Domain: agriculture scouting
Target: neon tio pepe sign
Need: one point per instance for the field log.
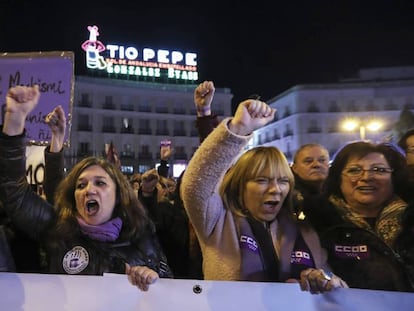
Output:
(146, 62)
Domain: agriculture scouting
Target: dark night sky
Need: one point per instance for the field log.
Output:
(263, 47)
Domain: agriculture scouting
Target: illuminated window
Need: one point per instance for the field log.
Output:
(178, 168)
(126, 126)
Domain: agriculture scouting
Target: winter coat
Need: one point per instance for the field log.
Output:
(78, 254)
(360, 254)
(229, 247)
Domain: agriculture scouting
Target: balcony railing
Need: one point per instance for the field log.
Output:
(145, 131)
(85, 127)
(108, 129)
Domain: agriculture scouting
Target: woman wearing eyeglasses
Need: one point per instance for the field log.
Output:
(364, 220)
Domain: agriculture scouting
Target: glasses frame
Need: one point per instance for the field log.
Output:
(373, 171)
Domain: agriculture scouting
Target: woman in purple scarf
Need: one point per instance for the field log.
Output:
(96, 224)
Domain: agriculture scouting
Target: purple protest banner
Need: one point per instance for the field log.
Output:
(54, 73)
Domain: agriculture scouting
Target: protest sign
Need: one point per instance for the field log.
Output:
(54, 73)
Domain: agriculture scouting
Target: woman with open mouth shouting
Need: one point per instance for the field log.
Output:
(96, 224)
(242, 213)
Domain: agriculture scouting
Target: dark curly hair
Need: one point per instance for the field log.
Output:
(360, 149)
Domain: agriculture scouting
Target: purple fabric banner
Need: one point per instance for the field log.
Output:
(54, 73)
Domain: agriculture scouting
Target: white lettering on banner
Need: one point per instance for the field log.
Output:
(249, 241)
(301, 254)
(47, 292)
(351, 249)
(35, 164)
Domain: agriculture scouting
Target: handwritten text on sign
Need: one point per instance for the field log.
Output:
(54, 73)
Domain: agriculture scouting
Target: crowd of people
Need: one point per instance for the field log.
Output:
(233, 214)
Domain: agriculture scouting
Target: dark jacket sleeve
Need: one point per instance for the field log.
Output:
(155, 256)
(6, 259)
(205, 125)
(28, 211)
(163, 169)
(54, 173)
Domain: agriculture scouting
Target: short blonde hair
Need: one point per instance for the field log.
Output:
(250, 164)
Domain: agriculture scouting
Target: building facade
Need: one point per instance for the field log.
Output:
(314, 113)
(135, 117)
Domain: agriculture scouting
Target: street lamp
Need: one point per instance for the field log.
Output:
(351, 124)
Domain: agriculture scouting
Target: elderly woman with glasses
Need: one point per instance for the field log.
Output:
(364, 219)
